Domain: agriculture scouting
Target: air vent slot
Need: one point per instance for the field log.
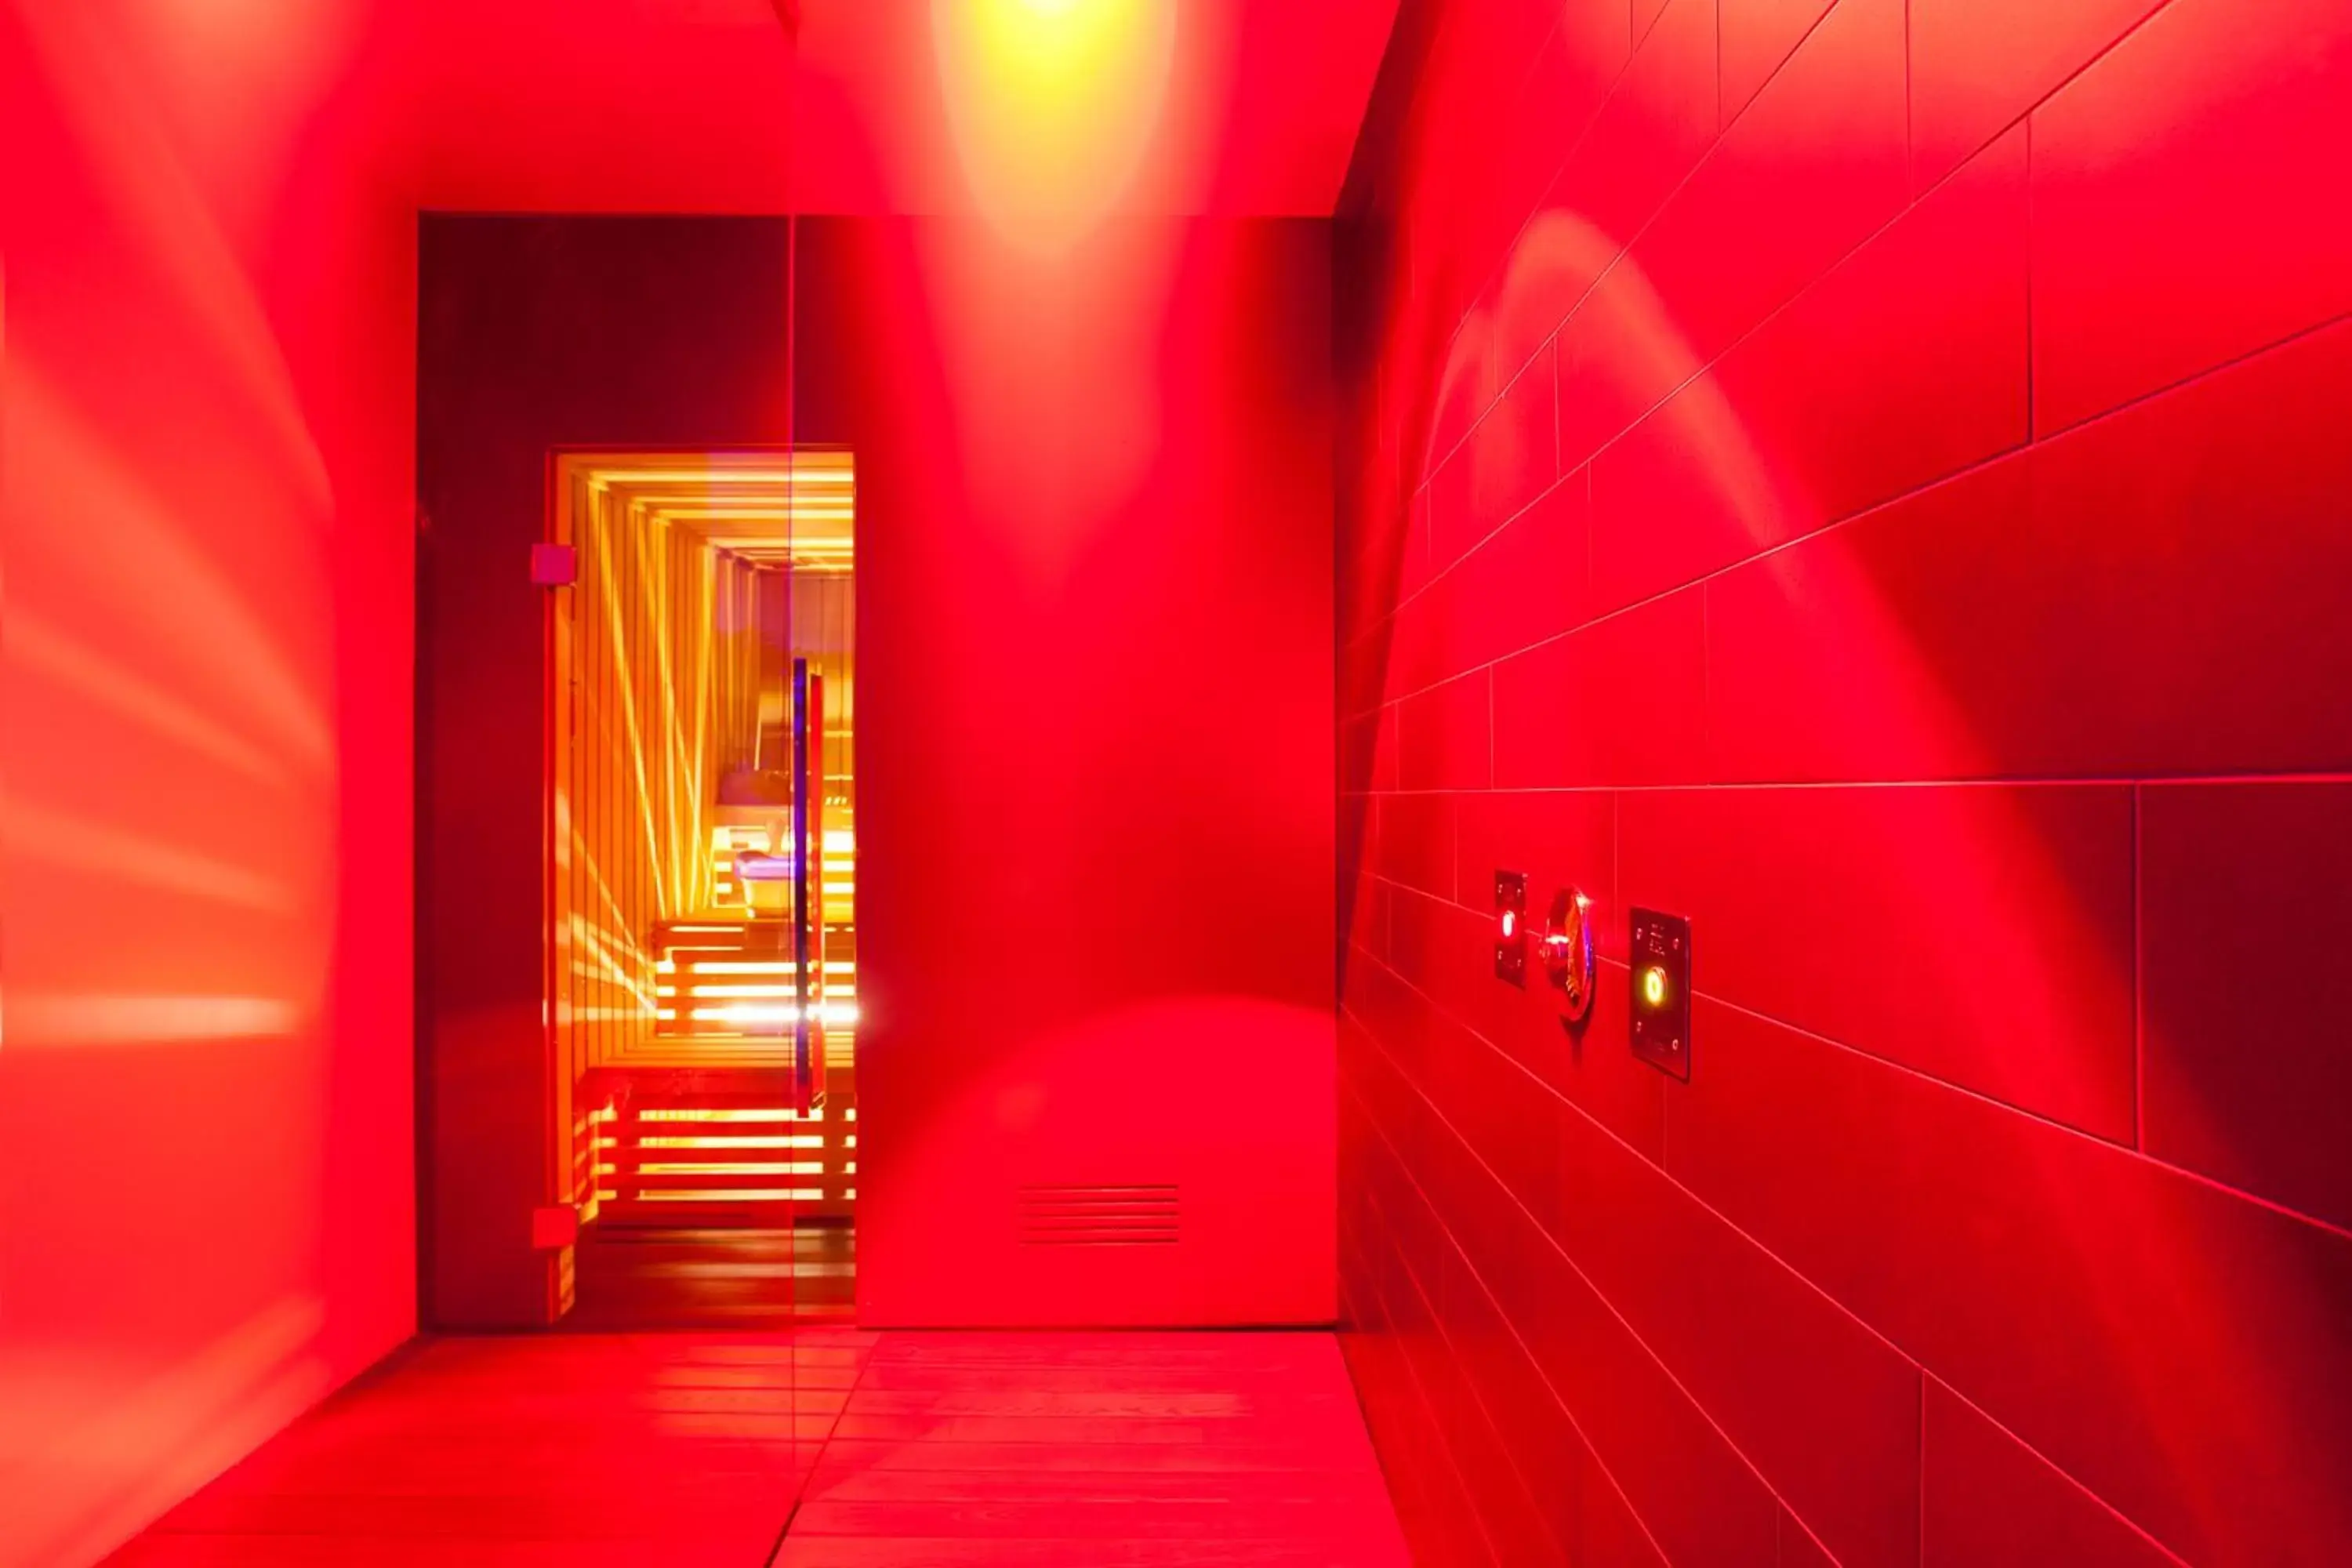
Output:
(1098, 1216)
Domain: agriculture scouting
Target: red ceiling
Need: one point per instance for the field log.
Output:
(693, 105)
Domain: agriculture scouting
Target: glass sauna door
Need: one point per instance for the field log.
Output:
(700, 857)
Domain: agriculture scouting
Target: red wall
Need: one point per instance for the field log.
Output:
(1095, 755)
(206, 1213)
(1872, 478)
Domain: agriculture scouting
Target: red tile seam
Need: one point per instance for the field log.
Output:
(1578, 1270)
(1774, 75)
(1910, 120)
(1490, 750)
(1924, 1376)
(1430, 1423)
(2125, 1149)
(2218, 367)
(800, 1491)
(1468, 1383)
(1916, 198)
(1398, 1485)
(1702, 581)
(2139, 975)
(2105, 1507)
(1722, 121)
(1707, 737)
(2032, 271)
(2101, 53)
(1725, 125)
(1551, 345)
(1453, 818)
(1591, 570)
(1611, 1136)
(1831, 265)
(1432, 459)
(1535, 56)
(1985, 781)
(1575, 144)
(1560, 481)
(1956, 477)
(1510, 1326)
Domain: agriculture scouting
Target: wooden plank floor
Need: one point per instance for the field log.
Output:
(729, 1278)
(699, 1450)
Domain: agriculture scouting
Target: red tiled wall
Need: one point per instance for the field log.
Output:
(1874, 478)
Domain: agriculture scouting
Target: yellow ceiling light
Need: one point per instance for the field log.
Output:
(1053, 104)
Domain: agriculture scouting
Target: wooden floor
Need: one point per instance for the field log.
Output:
(721, 1277)
(823, 1447)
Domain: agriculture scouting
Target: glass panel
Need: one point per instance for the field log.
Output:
(701, 882)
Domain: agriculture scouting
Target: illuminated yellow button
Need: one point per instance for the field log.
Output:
(1654, 987)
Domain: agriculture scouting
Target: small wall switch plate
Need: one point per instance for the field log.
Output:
(554, 565)
(1511, 927)
(1660, 948)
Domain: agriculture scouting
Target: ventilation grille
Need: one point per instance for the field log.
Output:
(1098, 1216)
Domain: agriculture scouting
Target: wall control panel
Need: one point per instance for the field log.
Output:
(1511, 927)
(1660, 954)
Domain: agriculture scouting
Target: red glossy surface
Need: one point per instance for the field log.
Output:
(2064, 612)
(1921, 552)
(1415, 847)
(1806, 173)
(1976, 65)
(1442, 736)
(1650, 131)
(1949, 1223)
(1525, 584)
(1514, 454)
(2177, 222)
(1096, 676)
(1569, 81)
(2000, 1221)
(1902, 365)
(1650, 658)
(1688, 1488)
(206, 1193)
(1989, 1499)
(212, 239)
(1815, 1400)
(1042, 552)
(1759, 36)
(2247, 1080)
(1876, 916)
(521, 107)
(825, 1448)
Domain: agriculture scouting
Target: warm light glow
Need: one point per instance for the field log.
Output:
(1654, 987)
(44, 1019)
(657, 631)
(1053, 104)
(690, 1113)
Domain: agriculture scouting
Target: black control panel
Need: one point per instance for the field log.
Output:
(1661, 957)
